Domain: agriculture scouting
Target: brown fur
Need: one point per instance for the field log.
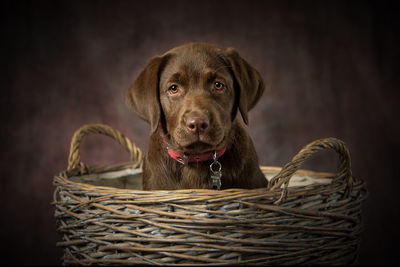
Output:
(179, 116)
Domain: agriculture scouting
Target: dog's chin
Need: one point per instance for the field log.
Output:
(198, 148)
(201, 146)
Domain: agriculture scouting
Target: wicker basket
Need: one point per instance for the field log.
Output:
(316, 220)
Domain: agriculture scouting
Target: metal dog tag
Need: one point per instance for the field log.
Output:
(216, 174)
(216, 180)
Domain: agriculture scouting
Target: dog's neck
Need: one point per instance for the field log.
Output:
(235, 137)
(173, 175)
(189, 158)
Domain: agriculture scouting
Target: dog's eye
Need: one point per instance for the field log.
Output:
(219, 86)
(173, 89)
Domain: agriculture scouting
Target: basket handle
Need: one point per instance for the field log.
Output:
(74, 153)
(283, 177)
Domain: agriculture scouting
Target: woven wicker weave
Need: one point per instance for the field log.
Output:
(316, 223)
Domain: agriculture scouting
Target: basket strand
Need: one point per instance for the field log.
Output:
(284, 176)
(108, 225)
(74, 159)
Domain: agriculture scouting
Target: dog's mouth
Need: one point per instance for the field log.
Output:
(200, 147)
(186, 143)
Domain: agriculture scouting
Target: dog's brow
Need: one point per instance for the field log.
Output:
(176, 77)
(223, 66)
(210, 75)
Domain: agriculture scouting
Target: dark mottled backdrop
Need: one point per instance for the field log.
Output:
(331, 69)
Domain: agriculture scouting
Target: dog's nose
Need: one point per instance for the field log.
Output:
(197, 123)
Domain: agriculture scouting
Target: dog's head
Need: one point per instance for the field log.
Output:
(193, 92)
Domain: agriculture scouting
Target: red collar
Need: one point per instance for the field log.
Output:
(185, 159)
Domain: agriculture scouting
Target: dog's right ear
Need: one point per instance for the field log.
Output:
(143, 95)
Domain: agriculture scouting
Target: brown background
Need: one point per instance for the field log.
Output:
(331, 69)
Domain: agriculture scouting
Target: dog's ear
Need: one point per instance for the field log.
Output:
(143, 95)
(250, 83)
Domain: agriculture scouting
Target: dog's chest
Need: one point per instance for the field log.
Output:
(195, 176)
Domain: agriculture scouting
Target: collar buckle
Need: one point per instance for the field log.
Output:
(184, 160)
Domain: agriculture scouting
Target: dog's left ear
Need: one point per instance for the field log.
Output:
(143, 96)
(251, 85)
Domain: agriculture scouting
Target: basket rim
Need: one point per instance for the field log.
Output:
(100, 169)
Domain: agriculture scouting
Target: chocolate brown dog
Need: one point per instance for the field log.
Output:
(190, 96)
